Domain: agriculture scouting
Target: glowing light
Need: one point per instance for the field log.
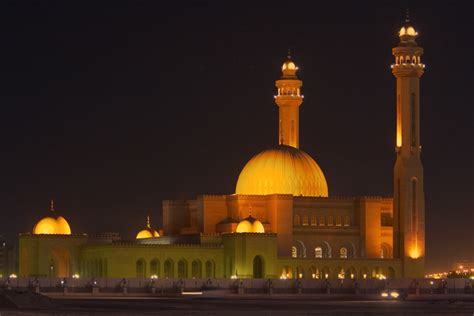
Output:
(431, 282)
(384, 294)
(153, 277)
(233, 277)
(75, 276)
(191, 293)
(352, 275)
(13, 276)
(313, 275)
(394, 294)
(300, 275)
(283, 277)
(364, 276)
(326, 275)
(414, 253)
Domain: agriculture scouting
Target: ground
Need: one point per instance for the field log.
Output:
(275, 305)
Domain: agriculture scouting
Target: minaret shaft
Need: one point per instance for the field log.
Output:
(409, 202)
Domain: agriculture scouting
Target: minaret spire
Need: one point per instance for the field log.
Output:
(51, 206)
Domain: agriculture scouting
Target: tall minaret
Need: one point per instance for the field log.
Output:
(409, 201)
(289, 99)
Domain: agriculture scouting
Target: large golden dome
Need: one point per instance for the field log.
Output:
(282, 170)
(52, 226)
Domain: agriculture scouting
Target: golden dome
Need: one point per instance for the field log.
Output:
(148, 232)
(250, 225)
(52, 226)
(244, 227)
(289, 68)
(282, 170)
(407, 30)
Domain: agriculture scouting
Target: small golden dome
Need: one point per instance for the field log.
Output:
(288, 65)
(257, 227)
(148, 232)
(407, 31)
(244, 227)
(250, 225)
(52, 226)
(282, 170)
(289, 68)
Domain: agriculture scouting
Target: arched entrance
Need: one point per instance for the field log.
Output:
(257, 267)
(60, 265)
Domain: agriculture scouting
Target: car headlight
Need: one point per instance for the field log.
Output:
(384, 294)
(394, 294)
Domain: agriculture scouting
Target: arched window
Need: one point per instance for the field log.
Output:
(322, 221)
(347, 221)
(196, 269)
(385, 251)
(314, 221)
(140, 268)
(297, 220)
(258, 268)
(330, 220)
(294, 252)
(168, 269)
(305, 220)
(338, 221)
(182, 269)
(209, 269)
(343, 253)
(318, 252)
(155, 267)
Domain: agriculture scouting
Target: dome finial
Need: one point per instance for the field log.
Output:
(407, 16)
(148, 221)
(51, 206)
(289, 53)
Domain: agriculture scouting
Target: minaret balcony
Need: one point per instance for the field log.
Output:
(408, 69)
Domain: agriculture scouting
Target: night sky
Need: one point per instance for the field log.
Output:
(112, 107)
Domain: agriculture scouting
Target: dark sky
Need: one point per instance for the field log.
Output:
(111, 107)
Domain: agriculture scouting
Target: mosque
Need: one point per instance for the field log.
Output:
(281, 221)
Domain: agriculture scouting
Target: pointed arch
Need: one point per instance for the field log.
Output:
(140, 268)
(168, 268)
(196, 269)
(182, 268)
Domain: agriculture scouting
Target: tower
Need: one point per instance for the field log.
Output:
(289, 99)
(409, 202)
